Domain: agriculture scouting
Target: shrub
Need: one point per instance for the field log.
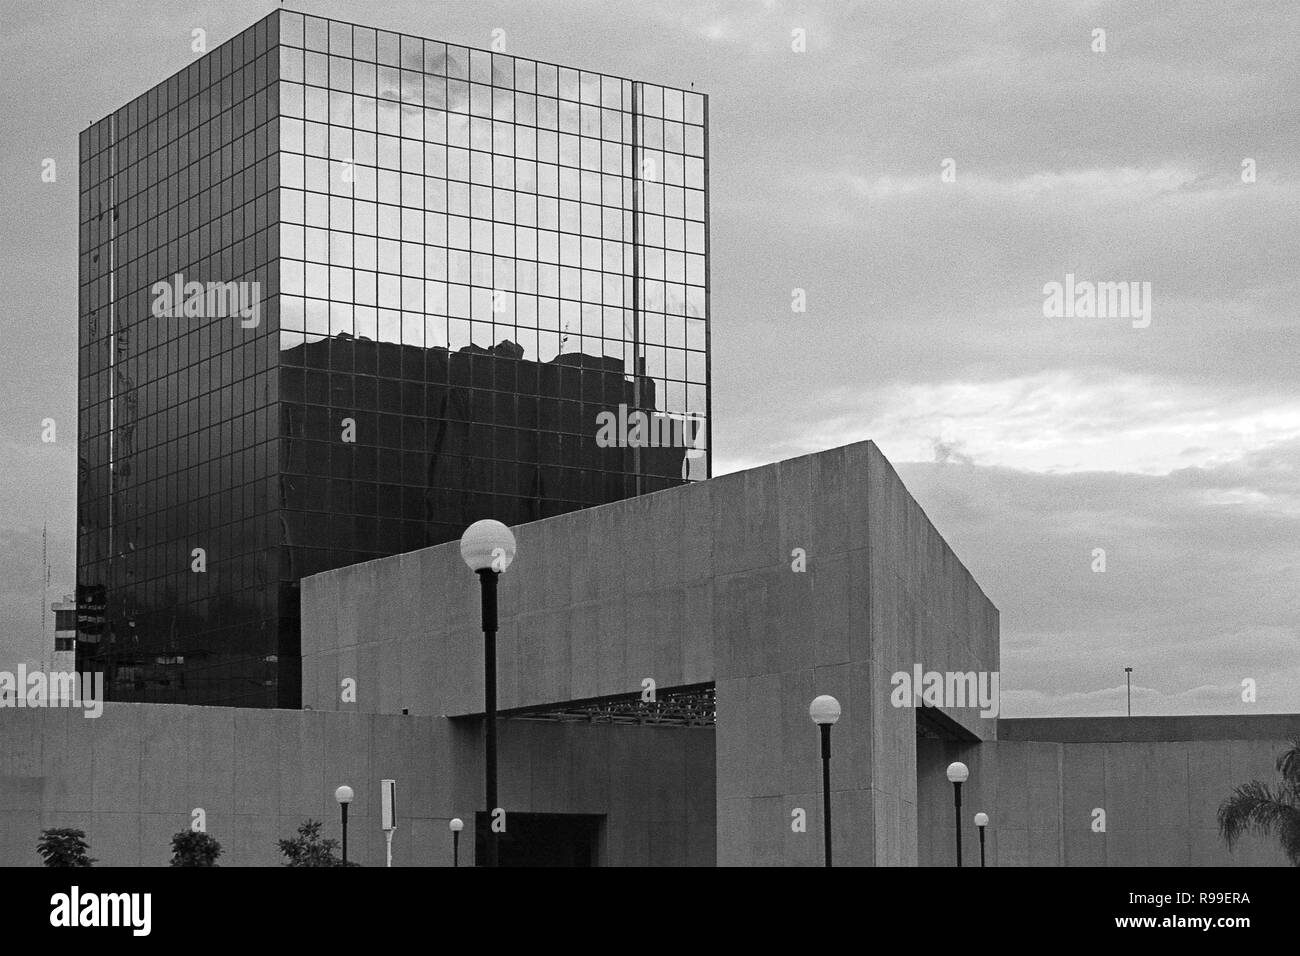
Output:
(308, 849)
(64, 846)
(194, 848)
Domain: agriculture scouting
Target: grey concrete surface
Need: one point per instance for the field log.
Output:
(1160, 798)
(697, 584)
(688, 586)
(133, 777)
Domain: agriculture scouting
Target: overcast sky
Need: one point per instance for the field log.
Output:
(1030, 441)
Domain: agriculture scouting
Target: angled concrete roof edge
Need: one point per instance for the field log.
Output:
(1155, 728)
(628, 502)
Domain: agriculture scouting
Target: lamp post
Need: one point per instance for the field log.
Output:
(488, 547)
(957, 774)
(456, 825)
(824, 711)
(1128, 680)
(981, 821)
(344, 796)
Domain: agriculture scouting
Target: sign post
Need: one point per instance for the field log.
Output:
(388, 812)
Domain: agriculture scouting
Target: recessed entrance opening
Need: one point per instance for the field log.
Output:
(544, 839)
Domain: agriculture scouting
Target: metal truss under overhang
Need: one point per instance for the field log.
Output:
(694, 705)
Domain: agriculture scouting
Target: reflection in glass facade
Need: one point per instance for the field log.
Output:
(443, 244)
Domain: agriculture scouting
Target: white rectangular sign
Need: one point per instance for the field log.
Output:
(388, 798)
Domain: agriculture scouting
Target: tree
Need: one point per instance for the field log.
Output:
(1260, 809)
(194, 848)
(308, 849)
(64, 846)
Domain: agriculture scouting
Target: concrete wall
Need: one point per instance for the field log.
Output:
(686, 586)
(595, 601)
(693, 585)
(655, 786)
(131, 778)
(927, 610)
(1159, 780)
(883, 592)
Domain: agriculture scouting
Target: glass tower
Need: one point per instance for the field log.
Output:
(344, 292)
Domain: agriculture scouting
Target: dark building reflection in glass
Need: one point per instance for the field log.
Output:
(474, 274)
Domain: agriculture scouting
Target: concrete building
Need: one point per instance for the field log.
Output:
(741, 598)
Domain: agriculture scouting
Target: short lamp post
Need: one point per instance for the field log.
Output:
(344, 796)
(456, 825)
(957, 775)
(981, 821)
(488, 547)
(824, 711)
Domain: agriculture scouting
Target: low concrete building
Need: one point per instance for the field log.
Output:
(736, 601)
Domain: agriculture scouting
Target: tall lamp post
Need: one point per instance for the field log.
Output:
(488, 547)
(981, 821)
(824, 711)
(455, 825)
(344, 796)
(957, 774)
(1128, 681)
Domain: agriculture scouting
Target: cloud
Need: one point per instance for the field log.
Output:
(1061, 420)
(1198, 591)
(1067, 421)
(1030, 441)
(1147, 701)
(1114, 186)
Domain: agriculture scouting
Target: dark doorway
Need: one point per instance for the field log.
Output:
(544, 839)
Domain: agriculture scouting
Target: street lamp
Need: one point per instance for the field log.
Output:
(1128, 681)
(344, 796)
(824, 711)
(456, 825)
(488, 547)
(981, 821)
(957, 774)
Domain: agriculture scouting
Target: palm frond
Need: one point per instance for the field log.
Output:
(1289, 836)
(1258, 809)
(1288, 762)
